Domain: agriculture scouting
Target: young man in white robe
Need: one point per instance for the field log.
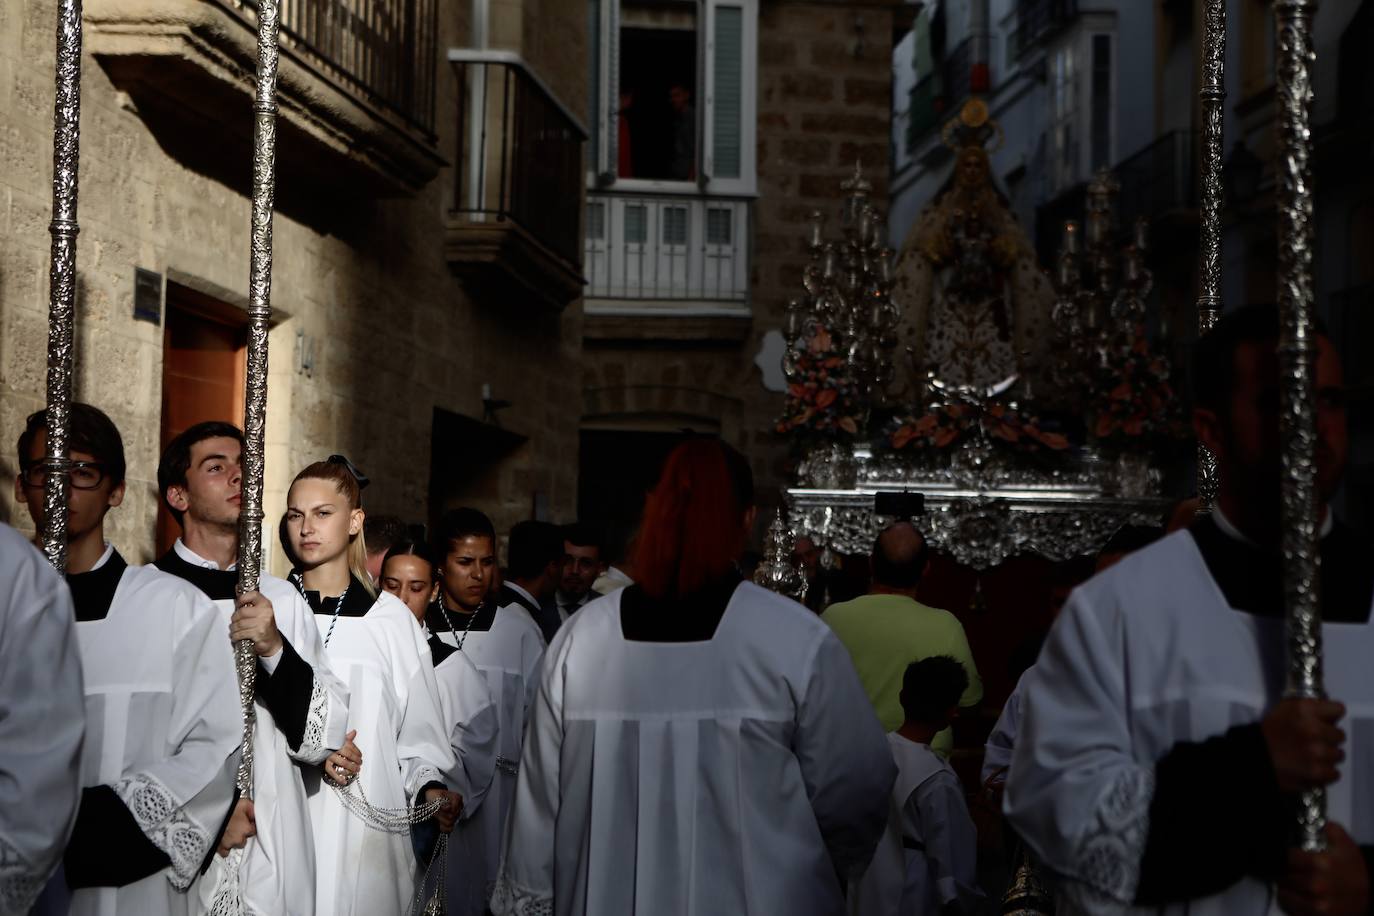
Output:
(301, 707)
(506, 647)
(534, 566)
(42, 721)
(162, 705)
(927, 862)
(1157, 762)
(407, 572)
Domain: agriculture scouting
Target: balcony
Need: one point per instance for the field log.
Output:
(1039, 20)
(940, 93)
(1159, 183)
(516, 223)
(655, 250)
(356, 88)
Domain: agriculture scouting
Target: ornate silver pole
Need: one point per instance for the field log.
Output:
(1297, 357)
(1213, 94)
(255, 395)
(62, 278)
(228, 892)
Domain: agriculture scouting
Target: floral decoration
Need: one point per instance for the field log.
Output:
(823, 397)
(1134, 404)
(944, 426)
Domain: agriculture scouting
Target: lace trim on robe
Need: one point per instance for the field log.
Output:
(1112, 847)
(19, 886)
(312, 749)
(163, 821)
(510, 899)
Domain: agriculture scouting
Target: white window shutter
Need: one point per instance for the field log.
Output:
(730, 81)
(606, 91)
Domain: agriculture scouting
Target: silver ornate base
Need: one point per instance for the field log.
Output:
(983, 507)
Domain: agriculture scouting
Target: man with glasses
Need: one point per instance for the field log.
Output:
(157, 767)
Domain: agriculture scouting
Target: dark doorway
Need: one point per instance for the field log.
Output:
(617, 469)
(204, 347)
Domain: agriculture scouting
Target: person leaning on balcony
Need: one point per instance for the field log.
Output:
(888, 629)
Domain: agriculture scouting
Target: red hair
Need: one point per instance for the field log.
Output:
(693, 526)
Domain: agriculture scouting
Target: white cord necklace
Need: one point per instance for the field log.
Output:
(448, 619)
(298, 580)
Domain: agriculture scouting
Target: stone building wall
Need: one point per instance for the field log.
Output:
(820, 108)
(395, 333)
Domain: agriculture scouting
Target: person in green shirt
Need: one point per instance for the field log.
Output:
(888, 629)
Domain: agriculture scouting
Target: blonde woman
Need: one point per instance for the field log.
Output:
(400, 746)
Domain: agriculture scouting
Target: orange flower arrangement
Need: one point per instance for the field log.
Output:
(822, 397)
(1136, 404)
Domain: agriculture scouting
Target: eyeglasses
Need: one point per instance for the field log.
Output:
(86, 475)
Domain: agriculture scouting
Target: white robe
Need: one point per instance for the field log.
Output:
(163, 729)
(277, 875)
(928, 856)
(739, 774)
(1002, 739)
(394, 706)
(508, 657)
(42, 721)
(467, 708)
(1144, 656)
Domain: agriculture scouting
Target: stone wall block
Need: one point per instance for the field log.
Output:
(875, 93)
(804, 152)
(806, 86)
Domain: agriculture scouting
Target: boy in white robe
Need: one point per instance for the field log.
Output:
(1157, 763)
(505, 645)
(161, 695)
(42, 721)
(927, 861)
(302, 708)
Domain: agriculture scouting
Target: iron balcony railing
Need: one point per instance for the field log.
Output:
(940, 92)
(1160, 179)
(1157, 181)
(667, 247)
(381, 50)
(520, 149)
(1037, 20)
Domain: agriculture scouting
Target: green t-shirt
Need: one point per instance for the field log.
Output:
(886, 633)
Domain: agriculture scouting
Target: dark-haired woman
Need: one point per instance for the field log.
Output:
(467, 708)
(697, 745)
(373, 645)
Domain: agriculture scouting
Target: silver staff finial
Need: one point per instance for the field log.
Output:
(776, 572)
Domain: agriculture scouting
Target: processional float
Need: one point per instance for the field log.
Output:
(987, 507)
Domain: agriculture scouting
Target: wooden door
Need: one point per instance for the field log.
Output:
(204, 354)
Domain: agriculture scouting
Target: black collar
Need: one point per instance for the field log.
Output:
(1252, 578)
(454, 621)
(357, 601)
(94, 591)
(439, 650)
(217, 584)
(692, 618)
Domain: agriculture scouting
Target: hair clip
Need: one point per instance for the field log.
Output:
(358, 475)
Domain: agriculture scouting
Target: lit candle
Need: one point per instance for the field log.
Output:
(1071, 236)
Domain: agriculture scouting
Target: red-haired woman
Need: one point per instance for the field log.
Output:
(375, 646)
(697, 745)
